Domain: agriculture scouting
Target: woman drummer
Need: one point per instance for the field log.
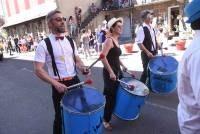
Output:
(111, 70)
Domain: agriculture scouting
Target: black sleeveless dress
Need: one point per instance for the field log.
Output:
(110, 86)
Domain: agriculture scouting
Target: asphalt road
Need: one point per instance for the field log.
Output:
(26, 106)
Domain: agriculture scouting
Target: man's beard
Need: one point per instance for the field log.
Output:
(60, 30)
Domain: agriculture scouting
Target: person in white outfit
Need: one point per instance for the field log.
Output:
(189, 78)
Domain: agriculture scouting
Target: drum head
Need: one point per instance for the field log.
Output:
(83, 100)
(140, 89)
(164, 65)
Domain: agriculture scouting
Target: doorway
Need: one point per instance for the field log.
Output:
(174, 14)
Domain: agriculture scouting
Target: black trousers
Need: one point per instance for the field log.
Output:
(145, 62)
(56, 96)
(110, 91)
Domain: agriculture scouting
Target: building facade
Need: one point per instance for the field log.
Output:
(24, 17)
(28, 16)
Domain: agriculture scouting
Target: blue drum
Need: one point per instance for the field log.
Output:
(163, 74)
(82, 111)
(129, 102)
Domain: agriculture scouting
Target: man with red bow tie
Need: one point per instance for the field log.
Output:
(60, 54)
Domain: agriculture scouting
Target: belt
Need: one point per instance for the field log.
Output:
(65, 78)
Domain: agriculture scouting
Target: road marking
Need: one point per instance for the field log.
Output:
(28, 70)
(162, 107)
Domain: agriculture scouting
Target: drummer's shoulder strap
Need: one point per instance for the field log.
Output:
(50, 50)
(73, 48)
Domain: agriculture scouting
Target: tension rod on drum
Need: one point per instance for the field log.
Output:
(129, 86)
(79, 84)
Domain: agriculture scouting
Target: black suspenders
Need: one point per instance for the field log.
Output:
(50, 50)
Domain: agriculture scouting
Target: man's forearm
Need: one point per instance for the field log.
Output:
(42, 74)
(144, 49)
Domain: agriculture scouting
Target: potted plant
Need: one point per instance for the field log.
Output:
(180, 44)
(128, 47)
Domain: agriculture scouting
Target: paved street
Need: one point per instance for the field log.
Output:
(26, 106)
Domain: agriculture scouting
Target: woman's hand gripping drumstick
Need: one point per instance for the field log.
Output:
(129, 86)
(130, 73)
(87, 70)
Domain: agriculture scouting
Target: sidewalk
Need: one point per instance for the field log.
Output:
(131, 60)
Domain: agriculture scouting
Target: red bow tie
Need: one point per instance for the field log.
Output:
(60, 38)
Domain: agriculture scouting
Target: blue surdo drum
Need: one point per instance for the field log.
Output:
(163, 74)
(82, 111)
(129, 102)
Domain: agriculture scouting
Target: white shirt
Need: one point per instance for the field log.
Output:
(189, 88)
(63, 54)
(140, 35)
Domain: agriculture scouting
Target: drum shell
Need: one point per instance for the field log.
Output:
(128, 105)
(163, 82)
(82, 123)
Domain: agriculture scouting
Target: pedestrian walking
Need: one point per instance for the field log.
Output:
(59, 53)
(112, 70)
(189, 78)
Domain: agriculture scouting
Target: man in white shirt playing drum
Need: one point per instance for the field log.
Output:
(189, 78)
(64, 73)
(146, 40)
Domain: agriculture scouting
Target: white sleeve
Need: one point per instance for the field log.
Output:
(40, 53)
(194, 75)
(140, 35)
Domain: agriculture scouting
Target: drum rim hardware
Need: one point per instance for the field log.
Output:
(163, 73)
(146, 90)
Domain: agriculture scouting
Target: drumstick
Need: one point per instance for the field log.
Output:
(81, 83)
(161, 49)
(130, 73)
(101, 56)
(131, 87)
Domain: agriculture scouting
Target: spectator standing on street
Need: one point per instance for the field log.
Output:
(10, 48)
(66, 60)
(72, 26)
(189, 78)
(93, 8)
(112, 70)
(17, 48)
(146, 40)
(85, 38)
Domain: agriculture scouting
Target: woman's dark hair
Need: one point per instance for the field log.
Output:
(114, 25)
(196, 24)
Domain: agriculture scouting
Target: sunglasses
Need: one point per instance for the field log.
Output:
(59, 19)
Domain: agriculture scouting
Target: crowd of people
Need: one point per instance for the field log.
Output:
(16, 44)
(92, 42)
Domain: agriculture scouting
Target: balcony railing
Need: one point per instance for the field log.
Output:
(116, 4)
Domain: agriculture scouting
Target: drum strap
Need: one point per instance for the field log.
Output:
(50, 50)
